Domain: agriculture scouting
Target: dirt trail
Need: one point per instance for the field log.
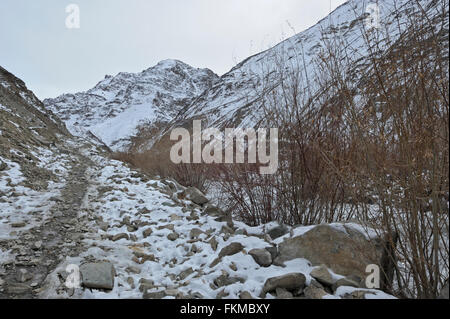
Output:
(39, 250)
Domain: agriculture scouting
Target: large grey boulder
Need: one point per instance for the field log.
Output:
(344, 250)
(98, 275)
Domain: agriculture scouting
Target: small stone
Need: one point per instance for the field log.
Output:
(175, 217)
(290, 281)
(130, 282)
(245, 295)
(18, 289)
(173, 236)
(213, 242)
(154, 294)
(22, 275)
(186, 273)
(18, 225)
(172, 292)
(345, 282)
(231, 249)
(227, 230)
(120, 236)
(133, 270)
(222, 294)
(37, 245)
(195, 233)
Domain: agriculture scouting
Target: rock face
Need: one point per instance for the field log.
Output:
(345, 251)
(289, 282)
(98, 275)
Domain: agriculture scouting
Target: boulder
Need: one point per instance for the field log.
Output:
(245, 295)
(322, 275)
(283, 293)
(261, 256)
(98, 275)
(278, 231)
(231, 249)
(292, 281)
(313, 292)
(196, 196)
(344, 250)
(273, 251)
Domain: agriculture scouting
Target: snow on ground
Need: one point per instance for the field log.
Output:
(120, 202)
(23, 204)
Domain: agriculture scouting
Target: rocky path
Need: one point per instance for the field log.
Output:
(40, 249)
(134, 237)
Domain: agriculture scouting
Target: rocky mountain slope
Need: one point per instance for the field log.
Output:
(172, 94)
(241, 96)
(114, 109)
(76, 224)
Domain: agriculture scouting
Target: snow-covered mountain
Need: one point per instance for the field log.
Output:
(238, 99)
(116, 106)
(173, 93)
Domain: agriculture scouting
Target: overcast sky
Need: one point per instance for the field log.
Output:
(133, 35)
